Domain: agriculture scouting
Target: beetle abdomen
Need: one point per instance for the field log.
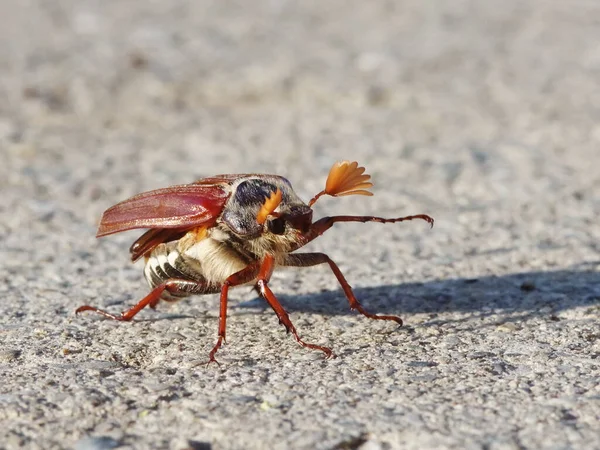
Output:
(165, 263)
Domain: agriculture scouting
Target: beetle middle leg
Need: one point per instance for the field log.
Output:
(262, 284)
(173, 286)
(313, 259)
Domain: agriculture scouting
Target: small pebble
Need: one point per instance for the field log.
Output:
(96, 443)
(9, 355)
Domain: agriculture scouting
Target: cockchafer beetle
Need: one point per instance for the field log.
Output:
(230, 230)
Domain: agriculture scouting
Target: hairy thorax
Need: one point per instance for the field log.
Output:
(210, 253)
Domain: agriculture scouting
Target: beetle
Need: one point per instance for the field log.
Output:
(230, 230)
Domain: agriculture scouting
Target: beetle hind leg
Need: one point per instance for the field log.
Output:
(172, 286)
(169, 298)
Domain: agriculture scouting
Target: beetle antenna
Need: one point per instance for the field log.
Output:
(316, 197)
(269, 206)
(345, 178)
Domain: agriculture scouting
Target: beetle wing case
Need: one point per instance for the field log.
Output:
(174, 207)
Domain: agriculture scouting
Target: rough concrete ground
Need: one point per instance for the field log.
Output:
(483, 114)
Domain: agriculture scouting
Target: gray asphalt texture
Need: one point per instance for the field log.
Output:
(484, 114)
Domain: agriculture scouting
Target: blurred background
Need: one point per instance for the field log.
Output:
(483, 114)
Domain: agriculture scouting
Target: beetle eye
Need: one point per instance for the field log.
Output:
(277, 226)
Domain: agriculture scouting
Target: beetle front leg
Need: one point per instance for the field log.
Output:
(319, 227)
(324, 224)
(264, 276)
(174, 286)
(313, 259)
(243, 276)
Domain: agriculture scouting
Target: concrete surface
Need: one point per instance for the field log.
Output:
(484, 114)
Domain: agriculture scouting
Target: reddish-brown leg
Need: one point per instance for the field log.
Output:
(174, 286)
(153, 304)
(264, 276)
(313, 259)
(322, 225)
(243, 276)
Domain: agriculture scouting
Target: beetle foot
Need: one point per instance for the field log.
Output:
(106, 314)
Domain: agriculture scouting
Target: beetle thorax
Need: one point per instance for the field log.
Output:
(278, 233)
(274, 245)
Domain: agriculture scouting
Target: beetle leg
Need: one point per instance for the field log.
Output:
(264, 276)
(313, 259)
(322, 225)
(243, 276)
(173, 285)
(153, 304)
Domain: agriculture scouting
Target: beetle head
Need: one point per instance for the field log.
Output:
(266, 204)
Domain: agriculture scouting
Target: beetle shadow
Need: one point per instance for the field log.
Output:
(518, 296)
